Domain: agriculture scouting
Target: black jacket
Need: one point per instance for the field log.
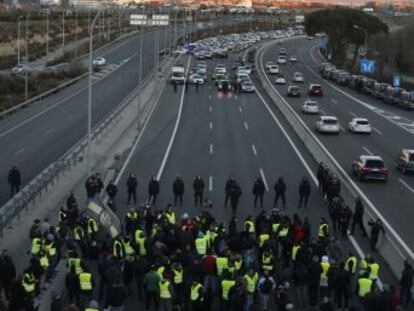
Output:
(198, 186)
(407, 276)
(111, 190)
(178, 186)
(153, 187)
(117, 295)
(132, 183)
(259, 187)
(14, 177)
(304, 188)
(280, 187)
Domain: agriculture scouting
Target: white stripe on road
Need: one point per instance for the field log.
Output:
(211, 125)
(20, 151)
(209, 96)
(322, 112)
(210, 109)
(352, 114)
(264, 179)
(341, 128)
(49, 131)
(406, 185)
(334, 101)
(210, 183)
(377, 131)
(240, 109)
(254, 150)
(211, 148)
(246, 126)
(367, 150)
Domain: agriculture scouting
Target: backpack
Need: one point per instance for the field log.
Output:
(266, 286)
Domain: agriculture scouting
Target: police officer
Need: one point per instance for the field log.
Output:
(111, 190)
(153, 189)
(280, 191)
(304, 192)
(358, 218)
(178, 189)
(351, 263)
(132, 184)
(14, 179)
(258, 191)
(235, 194)
(166, 294)
(229, 184)
(198, 187)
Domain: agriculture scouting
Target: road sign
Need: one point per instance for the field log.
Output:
(396, 81)
(367, 66)
(323, 42)
(138, 19)
(160, 20)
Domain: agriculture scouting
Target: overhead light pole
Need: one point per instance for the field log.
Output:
(366, 37)
(18, 40)
(26, 71)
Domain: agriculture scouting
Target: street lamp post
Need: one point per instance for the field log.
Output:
(88, 149)
(47, 35)
(63, 29)
(18, 40)
(366, 37)
(26, 72)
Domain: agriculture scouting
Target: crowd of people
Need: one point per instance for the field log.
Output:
(268, 261)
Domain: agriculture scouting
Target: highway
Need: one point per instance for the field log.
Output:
(391, 132)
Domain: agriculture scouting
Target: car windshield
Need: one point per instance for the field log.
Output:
(316, 87)
(374, 163)
(411, 157)
(362, 122)
(330, 121)
(311, 104)
(294, 88)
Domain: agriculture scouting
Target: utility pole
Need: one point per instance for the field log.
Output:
(63, 29)
(18, 40)
(47, 35)
(26, 72)
(140, 71)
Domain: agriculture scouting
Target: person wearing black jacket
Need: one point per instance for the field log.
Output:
(117, 294)
(14, 179)
(229, 184)
(314, 274)
(111, 190)
(132, 184)
(178, 189)
(7, 273)
(258, 191)
(235, 194)
(358, 218)
(153, 189)
(341, 285)
(406, 282)
(376, 229)
(198, 187)
(304, 192)
(280, 190)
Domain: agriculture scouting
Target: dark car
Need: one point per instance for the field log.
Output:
(224, 86)
(315, 90)
(370, 167)
(405, 161)
(293, 91)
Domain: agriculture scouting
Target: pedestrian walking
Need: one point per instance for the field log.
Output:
(117, 295)
(14, 180)
(304, 192)
(153, 190)
(229, 184)
(178, 190)
(280, 192)
(406, 283)
(132, 184)
(7, 274)
(266, 286)
(235, 194)
(198, 187)
(358, 218)
(91, 186)
(376, 229)
(258, 191)
(111, 190)
(175, 86)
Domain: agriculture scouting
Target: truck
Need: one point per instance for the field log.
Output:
(177, 75)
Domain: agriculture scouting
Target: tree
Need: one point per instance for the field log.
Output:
(338, 25)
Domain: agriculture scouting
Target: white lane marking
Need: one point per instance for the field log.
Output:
(19, 151)
(311, 54)
(333, 100)
(341, 128)
(211, 149)
(246, 126)
(211, 125)
(392, 231)
(240, 109)
(210, 183)
(322, 112)
(49, 131)
(377, 130)
(177, 123)
(134, 147)
(254, 149)
(367, 150)
(210, 109)
(264, 179)
(352, 114)
(209, 96)
(406, 185)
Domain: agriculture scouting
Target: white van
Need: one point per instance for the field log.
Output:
(178, 75)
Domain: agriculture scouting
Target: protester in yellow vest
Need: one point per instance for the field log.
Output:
(364, 286)
(249, 226)
(201, 244)
(226, 284)
(36, 244)
(166, 294)
(250, 279)
(323, 230)
(373, 268)
(196, 295)
(351, 263)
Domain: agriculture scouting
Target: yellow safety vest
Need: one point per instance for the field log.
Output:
(238, 264)
(51, 248)
(160, 271)
(36, 242)
(221, 263)
(129, 251)
(325, 267)
(178, 276)
(44, 262)
(76, 262)
(92, 226)
(365, 285)
(284, 232)
(133, 216)
(252, 229)
(263, 238)
(201, 245)
(85, 281)
(295, 250)
(62, 216)
(78, 233)
(28, 283)
(170, 217)
(118, 246)
(275, 227)
(91, 309)
(354, 264)
(164, 289)
(364, 266)
(226, 285)
(138, 234)
(194, 292)
(321, 232)
(211, 236)
(141, 245)
(374, 268)
(266, 260)
(251, 283)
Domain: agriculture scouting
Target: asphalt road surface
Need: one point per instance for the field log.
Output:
(392, 130)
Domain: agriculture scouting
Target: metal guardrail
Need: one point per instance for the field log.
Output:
(71, 158)
(391, 246)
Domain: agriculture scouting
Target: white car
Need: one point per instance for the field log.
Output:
(281, 59)
(293, 59)
(298, 77)
(242, 76)
(244, 69)
(269, 63)
(310, 107)
(280, 80)
(201, 69)
(99, 61)
(359, 125)
(274, 70)
(196, 79)
(19, 69)
(327, 124)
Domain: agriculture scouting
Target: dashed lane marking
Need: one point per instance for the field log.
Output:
(264, 179)
(211, 125)
(406, 185)
(211, 148)
(367, 150)
(210, 183)
(19, 151)
(254, 149)
(246, 126)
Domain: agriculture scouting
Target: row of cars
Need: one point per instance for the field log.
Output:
(395, 96)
